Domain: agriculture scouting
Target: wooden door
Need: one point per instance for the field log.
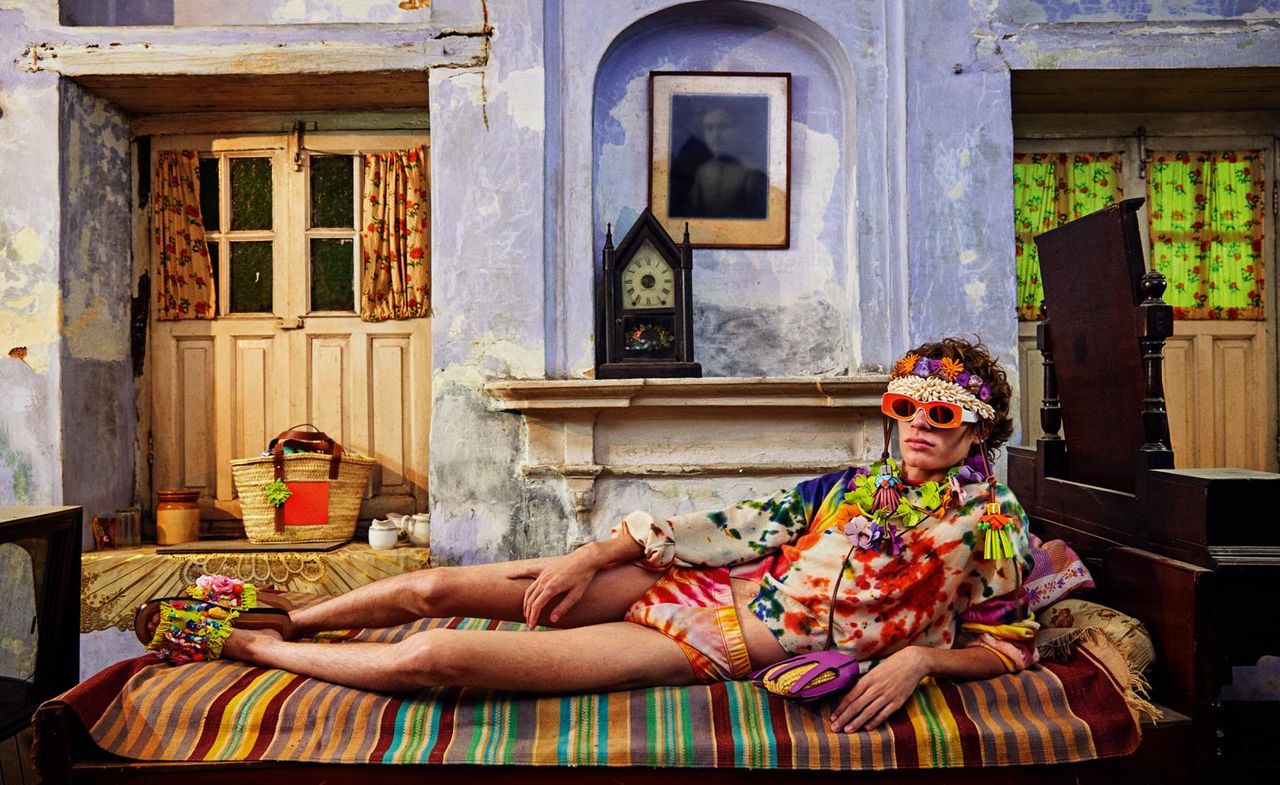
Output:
(288, 346)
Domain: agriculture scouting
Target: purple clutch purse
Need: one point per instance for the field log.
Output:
(809, 676)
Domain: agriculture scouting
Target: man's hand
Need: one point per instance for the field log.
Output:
(881, 691)
(569, 575)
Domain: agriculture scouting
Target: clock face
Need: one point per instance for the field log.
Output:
(648, 281)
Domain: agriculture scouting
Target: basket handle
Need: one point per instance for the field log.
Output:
(314, 440)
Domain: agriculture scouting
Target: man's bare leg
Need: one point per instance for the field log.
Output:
(618, 655)
(483, 591)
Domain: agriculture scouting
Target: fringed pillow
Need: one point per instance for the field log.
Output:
(1071, 623)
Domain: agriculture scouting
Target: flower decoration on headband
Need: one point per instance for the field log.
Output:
(945, 379)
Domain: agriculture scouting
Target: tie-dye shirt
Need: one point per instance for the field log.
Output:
(794, 544)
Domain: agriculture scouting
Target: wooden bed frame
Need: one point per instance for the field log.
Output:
(1116, 530)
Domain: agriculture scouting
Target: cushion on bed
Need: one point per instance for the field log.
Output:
(1057, 712)
(1057, 574)
(1064, 620)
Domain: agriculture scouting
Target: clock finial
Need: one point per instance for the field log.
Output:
(608, 235)
(686, 232)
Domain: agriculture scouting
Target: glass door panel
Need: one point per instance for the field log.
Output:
(251, 281)
(332, 234)
(332, 192)
(250, 194)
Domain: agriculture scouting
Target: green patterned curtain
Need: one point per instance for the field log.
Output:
(1050, 189)
(1206, 216)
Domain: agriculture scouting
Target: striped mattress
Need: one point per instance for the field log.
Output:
(225, 711)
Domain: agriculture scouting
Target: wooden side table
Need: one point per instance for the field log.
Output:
(117, 581)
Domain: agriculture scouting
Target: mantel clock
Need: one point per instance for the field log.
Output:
(644, 305)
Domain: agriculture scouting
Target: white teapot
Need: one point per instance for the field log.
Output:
(418, 529)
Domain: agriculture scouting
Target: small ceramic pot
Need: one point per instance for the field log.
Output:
(177, 516)
(383, 535)
(419, 529)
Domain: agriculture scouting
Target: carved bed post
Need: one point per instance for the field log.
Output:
(1051, 449)
(1154, 322)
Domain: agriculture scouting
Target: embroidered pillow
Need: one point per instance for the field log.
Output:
(1064, 622)
(1058, 573)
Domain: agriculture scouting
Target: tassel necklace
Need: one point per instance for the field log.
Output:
(889, 506)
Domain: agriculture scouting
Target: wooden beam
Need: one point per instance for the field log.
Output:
(278, 122)
(140, 94)
(266, 49)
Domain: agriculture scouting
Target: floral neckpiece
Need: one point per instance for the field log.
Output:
(889, 506)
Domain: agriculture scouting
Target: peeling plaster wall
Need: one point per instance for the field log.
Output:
(756, 312)
(283, 12)
(960, 155)
(1140, 10)
(487, 132)
(99, 407)
(30, 420)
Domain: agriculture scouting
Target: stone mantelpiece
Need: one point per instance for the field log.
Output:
(585, 432)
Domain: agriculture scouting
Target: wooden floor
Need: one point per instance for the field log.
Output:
(15, 760)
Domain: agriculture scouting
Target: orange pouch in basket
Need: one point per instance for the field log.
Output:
(308, 505)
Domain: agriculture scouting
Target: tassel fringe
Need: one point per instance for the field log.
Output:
(1137, 693)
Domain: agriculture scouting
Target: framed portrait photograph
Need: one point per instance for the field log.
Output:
(720, 157)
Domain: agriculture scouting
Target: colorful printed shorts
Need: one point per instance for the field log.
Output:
(694, 607)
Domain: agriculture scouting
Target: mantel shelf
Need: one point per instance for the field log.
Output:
(844, 392)
(583, 432)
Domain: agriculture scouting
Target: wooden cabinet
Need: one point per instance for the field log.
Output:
(40, 584)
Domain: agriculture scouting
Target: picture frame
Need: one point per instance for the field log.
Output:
(720, 157)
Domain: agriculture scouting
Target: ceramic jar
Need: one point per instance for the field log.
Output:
(177, 517)
(383, 534)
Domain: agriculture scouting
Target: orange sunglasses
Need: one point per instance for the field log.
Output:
(938, 414)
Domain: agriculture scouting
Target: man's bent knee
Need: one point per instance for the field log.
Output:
(428, 590)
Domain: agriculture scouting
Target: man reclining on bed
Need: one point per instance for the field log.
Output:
(914, 566)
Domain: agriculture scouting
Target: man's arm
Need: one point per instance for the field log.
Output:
(884, 689)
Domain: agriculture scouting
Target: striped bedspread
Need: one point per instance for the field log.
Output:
(222, 711)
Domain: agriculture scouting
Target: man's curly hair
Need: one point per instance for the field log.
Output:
(976, 359)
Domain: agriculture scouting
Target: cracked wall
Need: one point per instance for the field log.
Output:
(487, 137)
(30, 360)
(99, 396)
(1037, 11)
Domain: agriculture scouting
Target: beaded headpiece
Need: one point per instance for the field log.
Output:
(932, 379)
(945, 379)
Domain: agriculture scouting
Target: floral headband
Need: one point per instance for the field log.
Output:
(932, 379)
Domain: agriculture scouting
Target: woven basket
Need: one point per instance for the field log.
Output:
(252, 475)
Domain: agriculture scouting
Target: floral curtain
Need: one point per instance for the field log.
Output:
(1206, 218)
(185, 283)
(1050, 189)
(395, 243)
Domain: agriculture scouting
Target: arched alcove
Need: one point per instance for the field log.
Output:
(756, 312)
